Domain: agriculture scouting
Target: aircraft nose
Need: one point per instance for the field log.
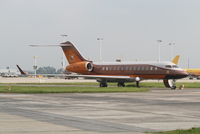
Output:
(183, 74)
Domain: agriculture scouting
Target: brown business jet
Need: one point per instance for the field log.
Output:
(120, 72)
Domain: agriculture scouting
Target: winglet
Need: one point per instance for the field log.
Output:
(21, 71)
(176, 59)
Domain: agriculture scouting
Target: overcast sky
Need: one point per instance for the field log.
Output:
(129, 28)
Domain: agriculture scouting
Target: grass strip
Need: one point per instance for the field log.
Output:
(67, 83)
(179, 131)
(142, 84)
(30, 89)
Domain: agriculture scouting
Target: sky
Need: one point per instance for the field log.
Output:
(129, 28)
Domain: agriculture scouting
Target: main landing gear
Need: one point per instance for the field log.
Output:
(103, 84)
(121, 84)
(138, 84)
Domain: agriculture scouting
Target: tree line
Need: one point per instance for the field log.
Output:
(49, 70)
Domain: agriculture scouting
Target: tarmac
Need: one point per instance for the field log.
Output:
(100, 113)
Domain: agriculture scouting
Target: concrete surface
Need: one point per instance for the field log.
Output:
(97, 113)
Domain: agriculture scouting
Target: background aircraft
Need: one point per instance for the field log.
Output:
(193, 73)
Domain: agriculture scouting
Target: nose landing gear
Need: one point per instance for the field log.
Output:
(137, 79)
(170, 83)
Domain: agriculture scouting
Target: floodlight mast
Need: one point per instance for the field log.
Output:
(100, 48)
(35, 65)
(172, 45)
(159, 44)
(63, 55)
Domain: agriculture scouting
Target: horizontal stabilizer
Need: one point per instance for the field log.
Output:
(60, 45)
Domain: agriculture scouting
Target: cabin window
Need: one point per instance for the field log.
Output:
(138, 68)
(132, 68)
(156, 68)
(151, 68)
(168, 66)
(103, 68)
(106, 68)
(126, 68)
(142, 68)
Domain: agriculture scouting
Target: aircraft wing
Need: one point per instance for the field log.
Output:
(103, 77)
(97, 77)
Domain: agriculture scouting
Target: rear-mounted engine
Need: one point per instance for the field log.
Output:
(89, 66)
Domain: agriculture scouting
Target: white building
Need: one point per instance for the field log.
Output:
(9, 72)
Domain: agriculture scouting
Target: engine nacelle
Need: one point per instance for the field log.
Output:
(80, 67)
(89, 66)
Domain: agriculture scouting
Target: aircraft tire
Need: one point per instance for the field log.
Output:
(173, 88)
(121, 84)
(103, 85)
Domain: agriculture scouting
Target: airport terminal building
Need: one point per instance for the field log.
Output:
(9, 72)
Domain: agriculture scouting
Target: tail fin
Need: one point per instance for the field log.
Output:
(21, 71)
(176, 59)
(71, 53)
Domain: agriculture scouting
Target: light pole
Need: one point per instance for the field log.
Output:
(63, 61)
(188, 66)
(35, 65)
(159, 43)
(63, 56)
(100, 48)
(172, 49)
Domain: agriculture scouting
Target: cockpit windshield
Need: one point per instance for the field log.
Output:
(171, 66)
(174, 66)
(168, 66)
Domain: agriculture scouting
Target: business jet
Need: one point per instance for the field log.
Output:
(120, 72)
